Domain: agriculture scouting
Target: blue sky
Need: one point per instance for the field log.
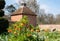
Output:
(50, 6)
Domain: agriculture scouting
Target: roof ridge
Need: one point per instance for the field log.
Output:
(23, 10)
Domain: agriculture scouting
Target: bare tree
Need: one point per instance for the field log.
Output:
(46, 18)
(50, 19)
(32, 4)
(58, 19)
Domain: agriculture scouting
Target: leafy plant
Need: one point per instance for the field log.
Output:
(22, 31)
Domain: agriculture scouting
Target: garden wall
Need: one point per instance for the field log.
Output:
(50, 26)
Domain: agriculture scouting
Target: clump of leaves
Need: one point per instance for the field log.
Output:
(22, 31)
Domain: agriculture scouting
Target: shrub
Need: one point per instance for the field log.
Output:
(2, 4)
(4, 24)
(21, 31)
(1, 13)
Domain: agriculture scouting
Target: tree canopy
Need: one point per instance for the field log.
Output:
(2, 4)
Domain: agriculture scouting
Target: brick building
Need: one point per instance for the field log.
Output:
(22, 11)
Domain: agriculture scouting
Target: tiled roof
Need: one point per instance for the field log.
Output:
(24, 11)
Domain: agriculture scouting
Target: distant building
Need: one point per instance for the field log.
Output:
(22, 11)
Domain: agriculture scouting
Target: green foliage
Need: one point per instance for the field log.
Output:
(43, 36)
(1, 13)
(4, 24)
(21, 31)
(2, 4)
(10, 8)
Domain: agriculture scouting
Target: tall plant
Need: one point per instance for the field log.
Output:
(3, 22)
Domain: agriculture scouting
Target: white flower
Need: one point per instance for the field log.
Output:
(34, 35)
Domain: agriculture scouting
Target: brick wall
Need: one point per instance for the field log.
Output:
(32, 20)
(16, 18)
(50, 26)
